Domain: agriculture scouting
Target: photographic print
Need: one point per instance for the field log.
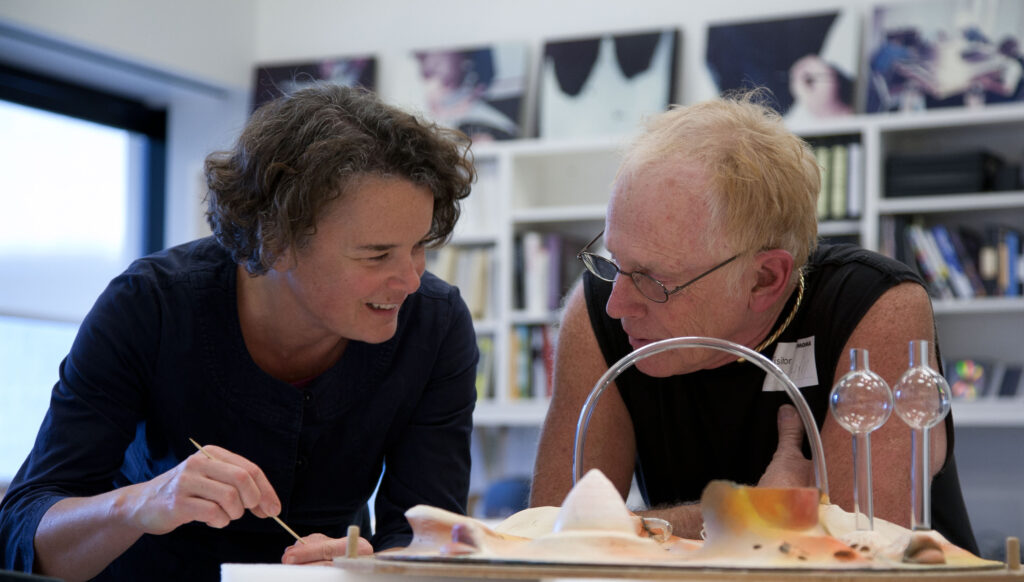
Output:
(272, 81)
(808, 63)
(944, 53)
(476, 90)
(605, 85)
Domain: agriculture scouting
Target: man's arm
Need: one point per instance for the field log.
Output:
(610, 444)
(900, 315)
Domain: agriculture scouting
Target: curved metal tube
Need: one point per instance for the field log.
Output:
(817, 454)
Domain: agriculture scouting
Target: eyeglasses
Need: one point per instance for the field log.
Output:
(651, 288)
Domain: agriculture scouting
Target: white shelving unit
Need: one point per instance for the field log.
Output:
(564, 187)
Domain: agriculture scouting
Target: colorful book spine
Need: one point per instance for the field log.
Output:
(957, 276)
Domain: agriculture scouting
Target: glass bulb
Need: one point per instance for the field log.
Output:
(922, 395)
(861, 401)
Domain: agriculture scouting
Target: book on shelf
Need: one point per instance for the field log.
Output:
(854, 179)
(988, 257)
(929, 261)
(470, 268)
(1010, 381)
(1009, 262)
(991, 255)
(842, 187)
(523, 363)
(514, 371)
(957, 276)
(541, 361)
(518, 267)
(547, 270)
(821, 154)
(531, 362)
(838, 176)
(968, 260)
(535, 272)
(556, 259)
(485, 367)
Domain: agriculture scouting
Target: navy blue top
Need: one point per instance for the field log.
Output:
(161, 358)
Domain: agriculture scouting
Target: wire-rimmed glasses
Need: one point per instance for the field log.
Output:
(606, 270)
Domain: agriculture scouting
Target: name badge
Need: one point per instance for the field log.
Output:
(796, 359)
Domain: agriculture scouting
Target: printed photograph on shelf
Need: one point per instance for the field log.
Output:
(478, 90)
(808, 63)
(944, 53)
(605, 85)
(272, 81)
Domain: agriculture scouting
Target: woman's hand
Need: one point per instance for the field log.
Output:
(320, 550)
(214, 490)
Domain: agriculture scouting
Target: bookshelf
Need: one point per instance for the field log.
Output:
(546, 186)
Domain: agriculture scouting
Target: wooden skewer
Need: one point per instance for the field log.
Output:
(274, 517)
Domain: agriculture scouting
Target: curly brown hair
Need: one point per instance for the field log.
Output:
(302, 151)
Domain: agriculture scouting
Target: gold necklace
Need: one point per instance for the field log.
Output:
(785, 324)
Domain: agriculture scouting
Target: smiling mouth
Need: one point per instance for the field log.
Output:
(383, 306)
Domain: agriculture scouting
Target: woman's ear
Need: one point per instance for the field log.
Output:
(774, 268)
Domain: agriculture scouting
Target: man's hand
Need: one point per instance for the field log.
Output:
(213, 490)
(320, 550)
(789, 467)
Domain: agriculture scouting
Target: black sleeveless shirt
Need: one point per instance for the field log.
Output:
(721, 424)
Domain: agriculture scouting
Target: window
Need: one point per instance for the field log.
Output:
(82, 196)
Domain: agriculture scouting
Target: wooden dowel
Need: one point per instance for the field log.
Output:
(1012, 553)
(352, 544)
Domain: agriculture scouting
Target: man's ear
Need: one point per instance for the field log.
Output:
(774, 268)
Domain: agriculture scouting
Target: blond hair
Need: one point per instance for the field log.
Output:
(762, 180)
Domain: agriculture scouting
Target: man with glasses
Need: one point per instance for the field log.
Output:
(711, 231)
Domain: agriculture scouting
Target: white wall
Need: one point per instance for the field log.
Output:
(210, 40)
(192, 56)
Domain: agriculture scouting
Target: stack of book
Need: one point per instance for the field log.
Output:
(948, 173)
(958, 262)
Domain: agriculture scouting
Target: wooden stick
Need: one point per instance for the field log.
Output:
(352, 543)
(274, 517)
(1012, 553)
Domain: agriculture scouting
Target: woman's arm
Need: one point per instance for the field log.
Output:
(80, 536)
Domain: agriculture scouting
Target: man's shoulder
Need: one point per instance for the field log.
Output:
(850, 257)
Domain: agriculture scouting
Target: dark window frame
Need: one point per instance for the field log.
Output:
(57, 96)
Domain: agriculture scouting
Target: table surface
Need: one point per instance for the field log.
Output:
(534, 571)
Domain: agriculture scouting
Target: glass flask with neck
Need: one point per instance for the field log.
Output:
(861, 403)
(921, 399)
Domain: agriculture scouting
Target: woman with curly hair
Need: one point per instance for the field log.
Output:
(302, 344)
